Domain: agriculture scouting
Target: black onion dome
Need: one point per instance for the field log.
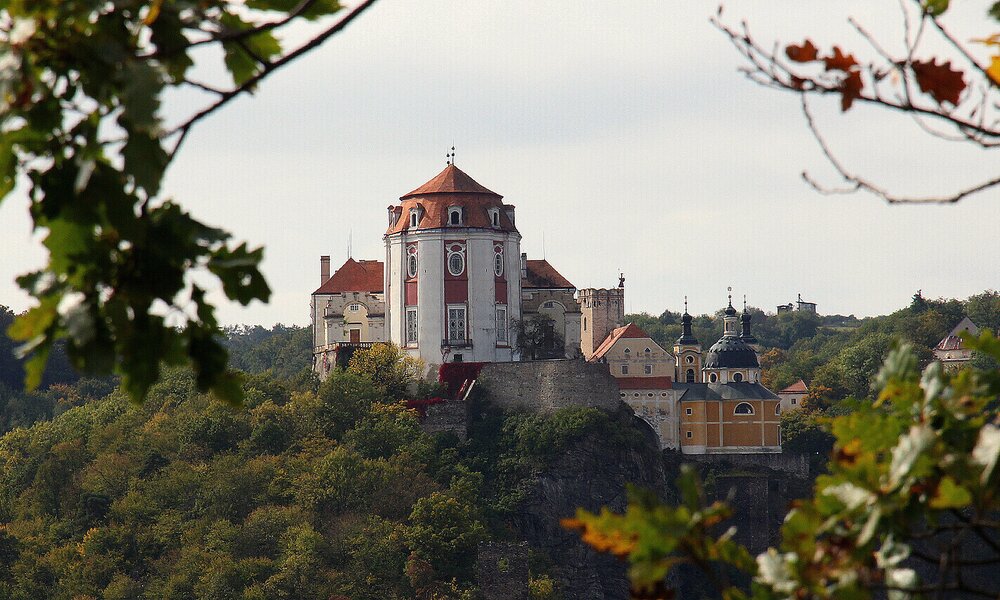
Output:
(730, 311)
(731, 353)
(687, 337)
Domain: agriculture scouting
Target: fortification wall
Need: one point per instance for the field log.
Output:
(449, 416)
(548, 385)
(791, 464)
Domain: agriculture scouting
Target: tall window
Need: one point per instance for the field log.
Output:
(456, 263)
(624, 369)
(649, 369)
(456, 323)
(454, 216)
(689, 376)
(411, 265)
(501, 324)
(411, 326)
(498, 264)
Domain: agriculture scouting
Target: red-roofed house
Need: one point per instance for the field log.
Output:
(791, 397)
(645, 373)
(348, 311)
(951, 350)
(550, 299)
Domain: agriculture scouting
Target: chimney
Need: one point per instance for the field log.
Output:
(524, 265)
(324, 269)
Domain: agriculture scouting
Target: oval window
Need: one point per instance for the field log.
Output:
(456, 263)
(498, 264)
(689, 359)
(411, 265)
(737, 377)
(713, 378)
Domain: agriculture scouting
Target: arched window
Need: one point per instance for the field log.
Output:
(689, 376)
(456, 263)
(737, 377)
(455, 215)
(743, 408)
(713, 378)
(414, 217)
(777, 409)
(496, 218)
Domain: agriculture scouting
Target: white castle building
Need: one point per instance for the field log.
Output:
(453, 286)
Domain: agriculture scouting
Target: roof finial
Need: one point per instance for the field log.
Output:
(451, 156)
(685, 304)
(744, 302)
(730, 295)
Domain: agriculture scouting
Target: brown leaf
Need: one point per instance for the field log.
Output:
(940, 81)
(838, 61)
(804, 53)
(850, 88)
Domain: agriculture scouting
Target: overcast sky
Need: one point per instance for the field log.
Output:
(622, 132)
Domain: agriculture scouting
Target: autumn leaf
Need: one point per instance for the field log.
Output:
(805, 53)
(850, 88)
(940, 81)
(838, 61)
(994, 70)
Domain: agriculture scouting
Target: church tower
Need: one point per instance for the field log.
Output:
(748, 338)
(731, 359)
(452, 272)
(687, 351)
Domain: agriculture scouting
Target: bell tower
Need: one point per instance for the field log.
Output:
(602, 310)
(687, 351)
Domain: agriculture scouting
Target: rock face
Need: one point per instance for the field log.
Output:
(590, 475)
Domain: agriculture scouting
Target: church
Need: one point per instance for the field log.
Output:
(454, 286)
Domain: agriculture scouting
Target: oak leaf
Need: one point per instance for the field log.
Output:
(850, 89)
(940, 81)
(805, 53)
(838, 61)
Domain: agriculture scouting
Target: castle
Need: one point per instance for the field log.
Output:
(454, 286)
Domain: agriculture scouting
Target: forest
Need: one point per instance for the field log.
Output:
(332, 490)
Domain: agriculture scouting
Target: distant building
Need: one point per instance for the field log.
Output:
(951, 350)
(799, 304)
(791, 396)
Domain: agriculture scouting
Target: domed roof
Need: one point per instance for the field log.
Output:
(731, 352)
(451, 181)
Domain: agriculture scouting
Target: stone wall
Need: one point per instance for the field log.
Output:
(791, 464)
(449, 416)
(502, 571)
(548, 385)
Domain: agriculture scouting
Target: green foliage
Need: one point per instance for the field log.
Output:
(392, 371)
(918, 464)
(80, 98)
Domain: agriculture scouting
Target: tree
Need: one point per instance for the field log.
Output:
(908, 507)
(81, 85)
(536, 338)
(388, 367)
(937, 79)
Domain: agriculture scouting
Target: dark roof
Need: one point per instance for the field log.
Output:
(451, 181)
(355, 276)
(542, 275)
(951, 342)
(730, 352)
(724, 391)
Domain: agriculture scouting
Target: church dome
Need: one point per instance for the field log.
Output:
(731, 353)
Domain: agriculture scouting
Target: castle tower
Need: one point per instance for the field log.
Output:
(731, 359)
(602, 310)
(452, 272)
(687, 350)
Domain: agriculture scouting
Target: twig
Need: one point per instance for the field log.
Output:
(184, 128)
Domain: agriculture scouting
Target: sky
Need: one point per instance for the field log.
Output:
(623, 133)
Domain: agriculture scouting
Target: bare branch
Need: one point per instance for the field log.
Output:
(184, 128)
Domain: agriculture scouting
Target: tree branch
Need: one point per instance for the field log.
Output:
(184, 128)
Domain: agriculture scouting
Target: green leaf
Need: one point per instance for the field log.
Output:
(318, 9)
(140, 96)
(145, 160)
(950, 495)
(936, 7)
(243, 57)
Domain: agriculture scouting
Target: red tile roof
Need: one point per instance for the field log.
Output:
(951, 342)
(799, 387)
(355, 276)
(645, 383)
(450, 181)
(542, 275)
(628, 331)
